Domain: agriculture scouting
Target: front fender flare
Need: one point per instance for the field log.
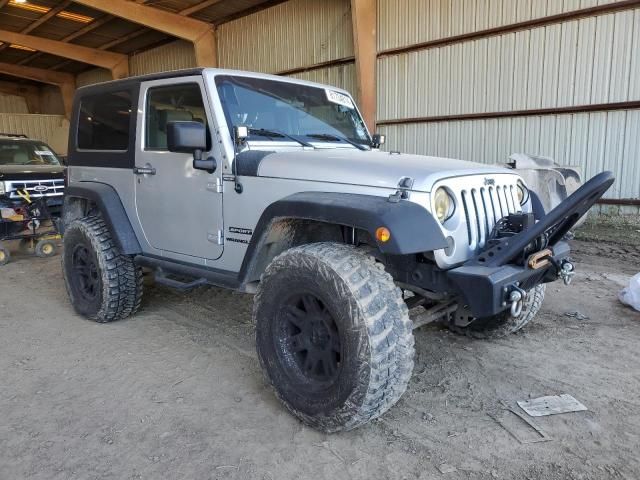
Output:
(413, 229)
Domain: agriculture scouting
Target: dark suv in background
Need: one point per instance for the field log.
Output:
(30, 166)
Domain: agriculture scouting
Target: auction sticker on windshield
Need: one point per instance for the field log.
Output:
(339, 98)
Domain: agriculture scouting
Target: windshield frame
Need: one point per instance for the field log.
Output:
(33, 146)
(227, 135)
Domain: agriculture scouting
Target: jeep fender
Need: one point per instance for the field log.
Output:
(113, 213)
(413, 229)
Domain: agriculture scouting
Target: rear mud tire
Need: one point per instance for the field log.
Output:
(504, 323)
(103, 285)
(370, 324)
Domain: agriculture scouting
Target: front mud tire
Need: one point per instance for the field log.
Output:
(371, 335)
(103, 284)
(504, 323)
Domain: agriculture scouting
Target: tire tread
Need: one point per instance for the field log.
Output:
(385, 317)
(121, 277)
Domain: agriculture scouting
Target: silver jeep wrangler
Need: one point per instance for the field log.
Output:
(274, 186)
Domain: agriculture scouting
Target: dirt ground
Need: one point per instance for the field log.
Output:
(176, 392)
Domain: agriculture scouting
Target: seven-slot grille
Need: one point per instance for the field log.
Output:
(484, 206)
(36, 188)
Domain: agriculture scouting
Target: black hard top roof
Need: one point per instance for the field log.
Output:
(141, 78)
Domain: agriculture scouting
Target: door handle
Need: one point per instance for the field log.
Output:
(144, 170)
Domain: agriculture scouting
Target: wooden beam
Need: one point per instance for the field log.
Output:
(41, 20)
(13, 88)
(50, 14)
(206, 50)
(112, 43)
(201, 34)
(87, 28)
(197, 7)
(167, 22)
(65, 81)
(125, 38)
(248, 11)
(364, 19)
(37, 74)
(78, 33)
(137, 33)
(116, 62)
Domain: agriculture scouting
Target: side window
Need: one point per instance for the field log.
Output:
(173, 103)
(103, 122)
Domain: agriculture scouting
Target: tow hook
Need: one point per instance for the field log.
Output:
(566, 272)
(517, 298)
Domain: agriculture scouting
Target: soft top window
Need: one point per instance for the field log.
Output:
(103, 121)
(173, 103)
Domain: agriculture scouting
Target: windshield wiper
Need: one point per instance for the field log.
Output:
(261, 132)
(331, 136)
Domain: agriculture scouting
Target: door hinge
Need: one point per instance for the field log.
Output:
(215, 186)
(216, 237)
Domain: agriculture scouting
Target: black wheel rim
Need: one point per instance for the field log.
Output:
(86, 275)
(309, 339)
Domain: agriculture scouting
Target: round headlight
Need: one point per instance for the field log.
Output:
(442, 205)
(523, 193)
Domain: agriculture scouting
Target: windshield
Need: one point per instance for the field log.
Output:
(289, 109)
(26, 153)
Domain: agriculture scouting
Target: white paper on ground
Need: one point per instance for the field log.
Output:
(551, 405)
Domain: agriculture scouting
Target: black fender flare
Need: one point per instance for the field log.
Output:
(413, 229)
(113, 213)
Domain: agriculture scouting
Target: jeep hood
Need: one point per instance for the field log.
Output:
(372, 169)
(28, 172)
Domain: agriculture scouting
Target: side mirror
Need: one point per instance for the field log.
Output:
(378, 140)
(190, 137)
(186, 137)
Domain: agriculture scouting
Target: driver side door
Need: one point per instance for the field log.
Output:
(179, 207)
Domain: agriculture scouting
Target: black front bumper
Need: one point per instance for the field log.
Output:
(487, 281)
(486, 290)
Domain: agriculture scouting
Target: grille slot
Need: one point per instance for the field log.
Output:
(36, 188)
(483, 207)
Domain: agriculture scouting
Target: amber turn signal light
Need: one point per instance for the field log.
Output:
(383, 234)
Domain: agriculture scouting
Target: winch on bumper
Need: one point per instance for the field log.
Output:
(523, 256)
(490, 290)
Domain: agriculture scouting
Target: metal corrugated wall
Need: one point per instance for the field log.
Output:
(292, 35)
(52, 129)
(585, 61)
(172, 56)
(12, 104)
(406, 22)
(95, 75)
(588, 61)
(343, 76)
(593, 141)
